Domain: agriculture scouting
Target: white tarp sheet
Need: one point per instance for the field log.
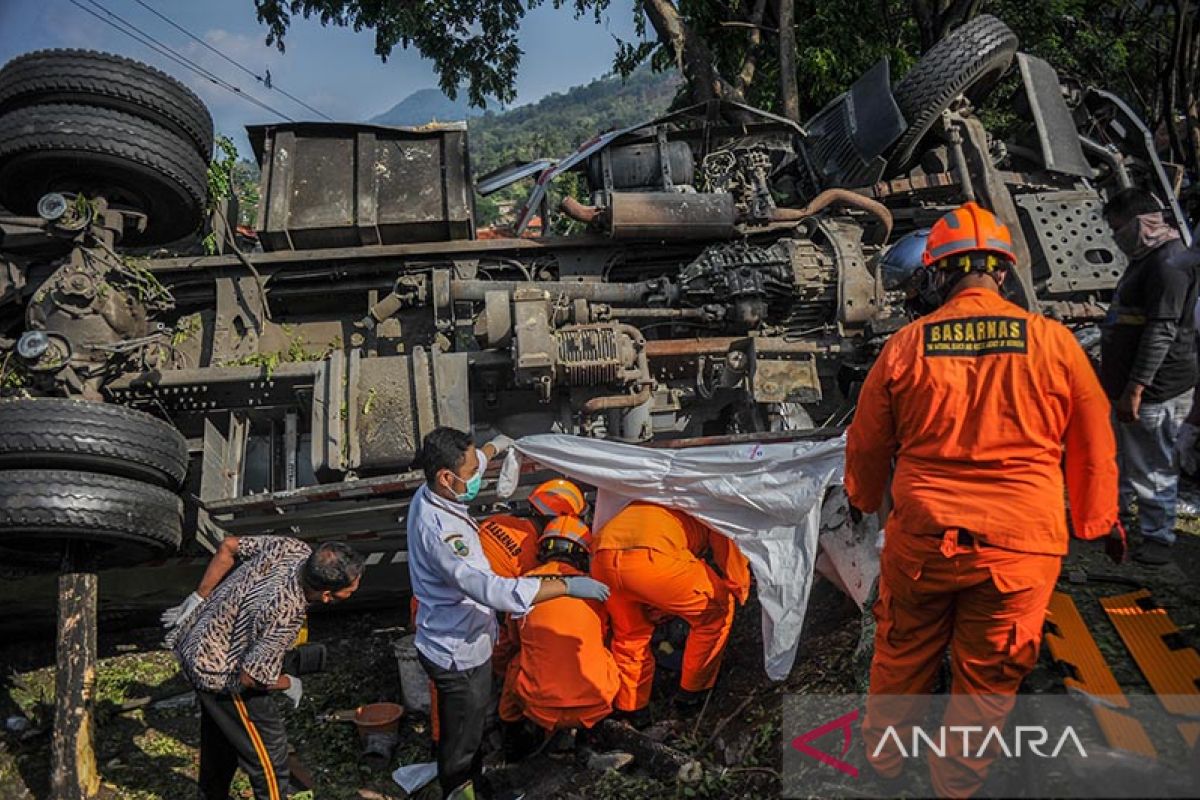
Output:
(767, 497)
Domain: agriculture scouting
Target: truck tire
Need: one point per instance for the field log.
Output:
(85, 77)
(120, 521)
(98, 151)
(969, 61)
(57, 433)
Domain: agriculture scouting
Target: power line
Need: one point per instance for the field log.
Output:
(169, 52)
(264, 81)
(133, 32)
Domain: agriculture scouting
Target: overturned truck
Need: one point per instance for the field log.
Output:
(727, 273)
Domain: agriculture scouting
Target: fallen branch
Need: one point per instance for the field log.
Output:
(658, 759)
(700, 716)
(721, 725)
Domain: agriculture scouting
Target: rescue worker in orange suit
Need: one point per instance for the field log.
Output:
(973, 412)
(511, 545)
(649, 556)
(563, 675)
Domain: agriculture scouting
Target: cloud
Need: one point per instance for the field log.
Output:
(252, 54)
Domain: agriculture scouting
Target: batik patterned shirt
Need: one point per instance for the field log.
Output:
(249, 621)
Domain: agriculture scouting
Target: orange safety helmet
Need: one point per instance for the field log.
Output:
(557, 497)
(565, 533)
(967, 230)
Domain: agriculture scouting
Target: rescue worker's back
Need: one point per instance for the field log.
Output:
(977, 401)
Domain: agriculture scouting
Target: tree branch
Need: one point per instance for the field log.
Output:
(750, 62)
(1171, 84)
(750, 25)
(692, 56)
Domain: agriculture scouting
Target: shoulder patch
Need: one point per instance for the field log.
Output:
(458, 544)
(976, 336)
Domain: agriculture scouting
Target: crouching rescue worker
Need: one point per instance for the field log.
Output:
(511, 542)
(563, 675)
(230, 637)
(650, 557)
(511, 545)
(457, 596)
(974, 410)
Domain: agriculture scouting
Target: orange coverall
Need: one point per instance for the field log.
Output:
(562, 676)
(510, 544)
(648, 556)
(983, 407)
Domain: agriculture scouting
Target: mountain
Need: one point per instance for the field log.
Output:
(558, 123)
(427, 105)
(552, 127)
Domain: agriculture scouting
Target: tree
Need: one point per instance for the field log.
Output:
(1147, 52)
(793, 56)
(789, 89)
(730, 49)
(936, 18)
(472, 43)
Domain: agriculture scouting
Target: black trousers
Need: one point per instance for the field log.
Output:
(462, 704)
(243, 730)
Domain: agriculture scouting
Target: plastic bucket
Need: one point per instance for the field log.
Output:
(378, 718)
(414, 683)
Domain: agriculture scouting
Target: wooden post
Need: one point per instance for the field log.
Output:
(73, 774)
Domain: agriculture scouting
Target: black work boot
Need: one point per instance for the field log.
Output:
(688, 703)
(638, 719)
(1153, 553)
(520, 740)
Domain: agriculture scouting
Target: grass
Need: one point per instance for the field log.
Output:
(151, 753)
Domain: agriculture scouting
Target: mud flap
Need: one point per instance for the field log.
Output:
(1173, 670)
(1085, 672)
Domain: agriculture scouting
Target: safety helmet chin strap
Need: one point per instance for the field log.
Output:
(967, 263)
(949, 271)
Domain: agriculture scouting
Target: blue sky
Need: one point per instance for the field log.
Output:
(333, 69)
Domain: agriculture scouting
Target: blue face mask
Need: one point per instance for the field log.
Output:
(472, 486)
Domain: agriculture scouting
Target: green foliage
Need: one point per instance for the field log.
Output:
(560, 122)
(220, 170)
(230, 176)
(13, 376)
(1121, 45)
(296, 352)
(220, 182)
(835, 43)
(555, 126)
(136, 276)
(185, 329)
(471, 43)
(1107, 43)
(245, 182)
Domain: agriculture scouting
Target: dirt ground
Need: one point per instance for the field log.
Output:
(148, 752)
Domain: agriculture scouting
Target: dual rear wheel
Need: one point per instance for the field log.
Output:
(102, 477)
(80, 122)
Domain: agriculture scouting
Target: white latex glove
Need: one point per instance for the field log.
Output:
(586, 588)
(294, 691)
(501, 443)
(1185, 448)
(177, 615)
